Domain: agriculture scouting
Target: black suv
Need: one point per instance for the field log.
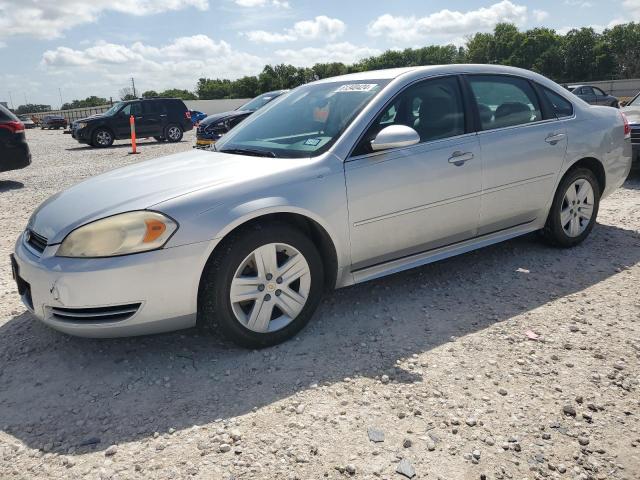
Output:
(160, 118)
(14, 151)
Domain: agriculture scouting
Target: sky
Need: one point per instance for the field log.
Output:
(53, 50)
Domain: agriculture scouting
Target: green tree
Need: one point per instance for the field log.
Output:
(178, 93)
(32, 108)
(150, 94)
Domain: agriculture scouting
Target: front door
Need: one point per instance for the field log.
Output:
(522, 151)
(412, 199)
(122, 125)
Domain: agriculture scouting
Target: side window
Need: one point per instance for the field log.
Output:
(598, 92)
(153, 107)
(504, 101)
(433, 108)
(587, 91)
(561, 106)
(134, 109)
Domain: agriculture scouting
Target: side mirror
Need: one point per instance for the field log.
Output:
(395, 136)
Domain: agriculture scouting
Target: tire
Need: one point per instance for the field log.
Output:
(173, 133)
(102, 138)
(569, 234)
(159, 139)
(216, 310)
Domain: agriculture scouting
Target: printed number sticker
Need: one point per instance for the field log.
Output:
(357, 87)
(312, 142)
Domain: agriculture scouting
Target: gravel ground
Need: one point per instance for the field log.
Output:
(518, 361)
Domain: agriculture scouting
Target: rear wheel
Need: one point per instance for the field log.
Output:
(574, 210)
(173, 133)
(102, 138)
(262, 286)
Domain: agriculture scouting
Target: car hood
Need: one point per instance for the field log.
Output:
(92, 117)
(632, 114)
(223, 116)
(146, 184)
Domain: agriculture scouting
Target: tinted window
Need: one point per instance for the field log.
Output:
(561, 106)
(433, 108)
(504, 101)
(133, 109)
(154, 108)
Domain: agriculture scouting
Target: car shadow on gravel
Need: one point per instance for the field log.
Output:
(118, 145)
(6, 185)
(59, 393)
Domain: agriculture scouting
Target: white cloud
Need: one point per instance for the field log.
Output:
(446, 22)
(578, 3)
(262, 3)
(176, 64)
(633, 7)
(320, 28)
(49, 19)
(540, 15)
(344, 52)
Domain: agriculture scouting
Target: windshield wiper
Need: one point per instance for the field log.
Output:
(249, 151)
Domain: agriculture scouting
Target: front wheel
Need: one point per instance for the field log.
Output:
(262, 286)
(173, 133)
(574, 209)
(102, 138)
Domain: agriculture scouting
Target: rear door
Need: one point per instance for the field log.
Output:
(523, 147)
(150, 125)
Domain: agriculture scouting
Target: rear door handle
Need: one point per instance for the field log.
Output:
(554, 138)
(459, 158)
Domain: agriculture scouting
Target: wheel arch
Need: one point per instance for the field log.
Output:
(593, 164)
(312, 227)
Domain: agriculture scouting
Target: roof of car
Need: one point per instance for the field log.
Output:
(392, 73)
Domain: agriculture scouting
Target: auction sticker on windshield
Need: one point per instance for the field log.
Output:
(357, 87)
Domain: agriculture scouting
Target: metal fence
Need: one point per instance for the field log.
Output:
(74, 114)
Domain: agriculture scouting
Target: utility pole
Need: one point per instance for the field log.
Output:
(133, 86)
(60, 92)
(26, 102)
(11, 100)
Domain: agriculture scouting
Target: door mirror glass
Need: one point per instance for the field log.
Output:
(395, 136)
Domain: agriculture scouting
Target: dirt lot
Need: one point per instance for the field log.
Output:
(518, 361)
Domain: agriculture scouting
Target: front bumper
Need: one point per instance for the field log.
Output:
(82, 135)
(163, 283)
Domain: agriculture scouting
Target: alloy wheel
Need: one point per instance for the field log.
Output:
(174, 133)
(270, 287)
(103, 138)
(577, 208)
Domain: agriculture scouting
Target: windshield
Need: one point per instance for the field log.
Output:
(304, 123)
(114, 109)
(258, 102)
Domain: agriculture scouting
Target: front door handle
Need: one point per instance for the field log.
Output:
(554, 138)
(459, 158)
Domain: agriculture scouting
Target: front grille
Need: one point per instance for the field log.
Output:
(635, 135)
(95, 314)
(35, 241)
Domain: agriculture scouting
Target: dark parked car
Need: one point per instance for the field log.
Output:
(53, 121)
(160, 118)
(214, 126)
(593, 95)
(14, 151)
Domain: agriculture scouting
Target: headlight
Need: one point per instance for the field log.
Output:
(131, 232)
(81, 124)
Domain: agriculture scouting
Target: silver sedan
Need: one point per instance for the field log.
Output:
(337, 182)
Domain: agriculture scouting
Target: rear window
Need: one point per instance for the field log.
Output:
(6, 115)
(175, 105)
(561, 106)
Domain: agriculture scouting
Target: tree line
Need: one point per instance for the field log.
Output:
(579, 55)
